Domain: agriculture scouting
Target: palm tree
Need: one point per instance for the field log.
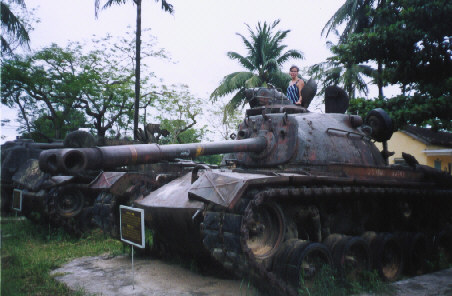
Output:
(167, 8)
(13, 26)
(263, 62)
(349, 75)
(357, 16)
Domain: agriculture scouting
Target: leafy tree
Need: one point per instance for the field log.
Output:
(12, 26)
(166, 7)
(47, 80)
(263, 61)
(43, 129)
(415, 47)
(179, 112)
(420, 110)
(224, 123)
(122, 52)
(414, 44)
(57, 82)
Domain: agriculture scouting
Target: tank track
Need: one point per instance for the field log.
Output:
(224, 237)
(105, 210)
(103, 213)
(225, 232)
(76, 225)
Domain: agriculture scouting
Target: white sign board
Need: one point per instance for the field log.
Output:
(17, 200)
(131, 222)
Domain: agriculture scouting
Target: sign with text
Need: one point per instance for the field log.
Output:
(17, 200)
(132, 225)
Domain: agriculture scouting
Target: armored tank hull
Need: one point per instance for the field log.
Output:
(63, 200)
(298, 190)
(14, 154)
(75, 203)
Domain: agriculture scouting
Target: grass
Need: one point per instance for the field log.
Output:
(328, 282)
(30, 252)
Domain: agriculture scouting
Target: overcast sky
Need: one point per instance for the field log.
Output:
(197, 36)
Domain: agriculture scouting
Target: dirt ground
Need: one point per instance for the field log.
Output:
(112, 276)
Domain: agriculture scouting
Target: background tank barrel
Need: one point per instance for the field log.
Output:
(74, 161)
(54, 145)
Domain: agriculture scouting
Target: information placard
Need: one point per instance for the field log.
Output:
(17, 200)
(132, 225)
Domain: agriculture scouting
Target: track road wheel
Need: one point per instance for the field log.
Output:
(266, 230)
(387, 254)
(350, 254)
(443, 246)
(69, 203)
(300, 261)
(416, 252)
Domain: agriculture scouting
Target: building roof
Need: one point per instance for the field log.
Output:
(428, 136)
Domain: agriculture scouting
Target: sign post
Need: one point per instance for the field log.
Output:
(132, 229)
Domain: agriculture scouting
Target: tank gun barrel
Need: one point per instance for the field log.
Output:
(44, 146)
(74, 161)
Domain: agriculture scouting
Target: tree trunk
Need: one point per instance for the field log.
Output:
(57, 126)
(23, 112)
(101, 137)
(137, 70)
(380, 80)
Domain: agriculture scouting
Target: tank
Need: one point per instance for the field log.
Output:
(68, 201)
(13, 155)
(296, 190)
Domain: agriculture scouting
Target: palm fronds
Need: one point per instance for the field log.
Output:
(167, 7)
(231, 83)
(265, 53)
(13, 26)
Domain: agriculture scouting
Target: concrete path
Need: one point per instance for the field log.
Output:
(108, 276)
(433, 284)
(112, 276)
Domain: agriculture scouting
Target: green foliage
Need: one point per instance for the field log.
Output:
(137, 59)
(42, 85)
(43, 128)
(263, 61)
(225, 120)
(210, 159)
(30, 252)
(349, 76)
(328, 282)
(108, 3)
(410, 42)
(179, 112)
(420, 110)
(356, 16)
(73, 89)
(14, 29)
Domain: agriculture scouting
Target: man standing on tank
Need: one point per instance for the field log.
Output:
(295, 86)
